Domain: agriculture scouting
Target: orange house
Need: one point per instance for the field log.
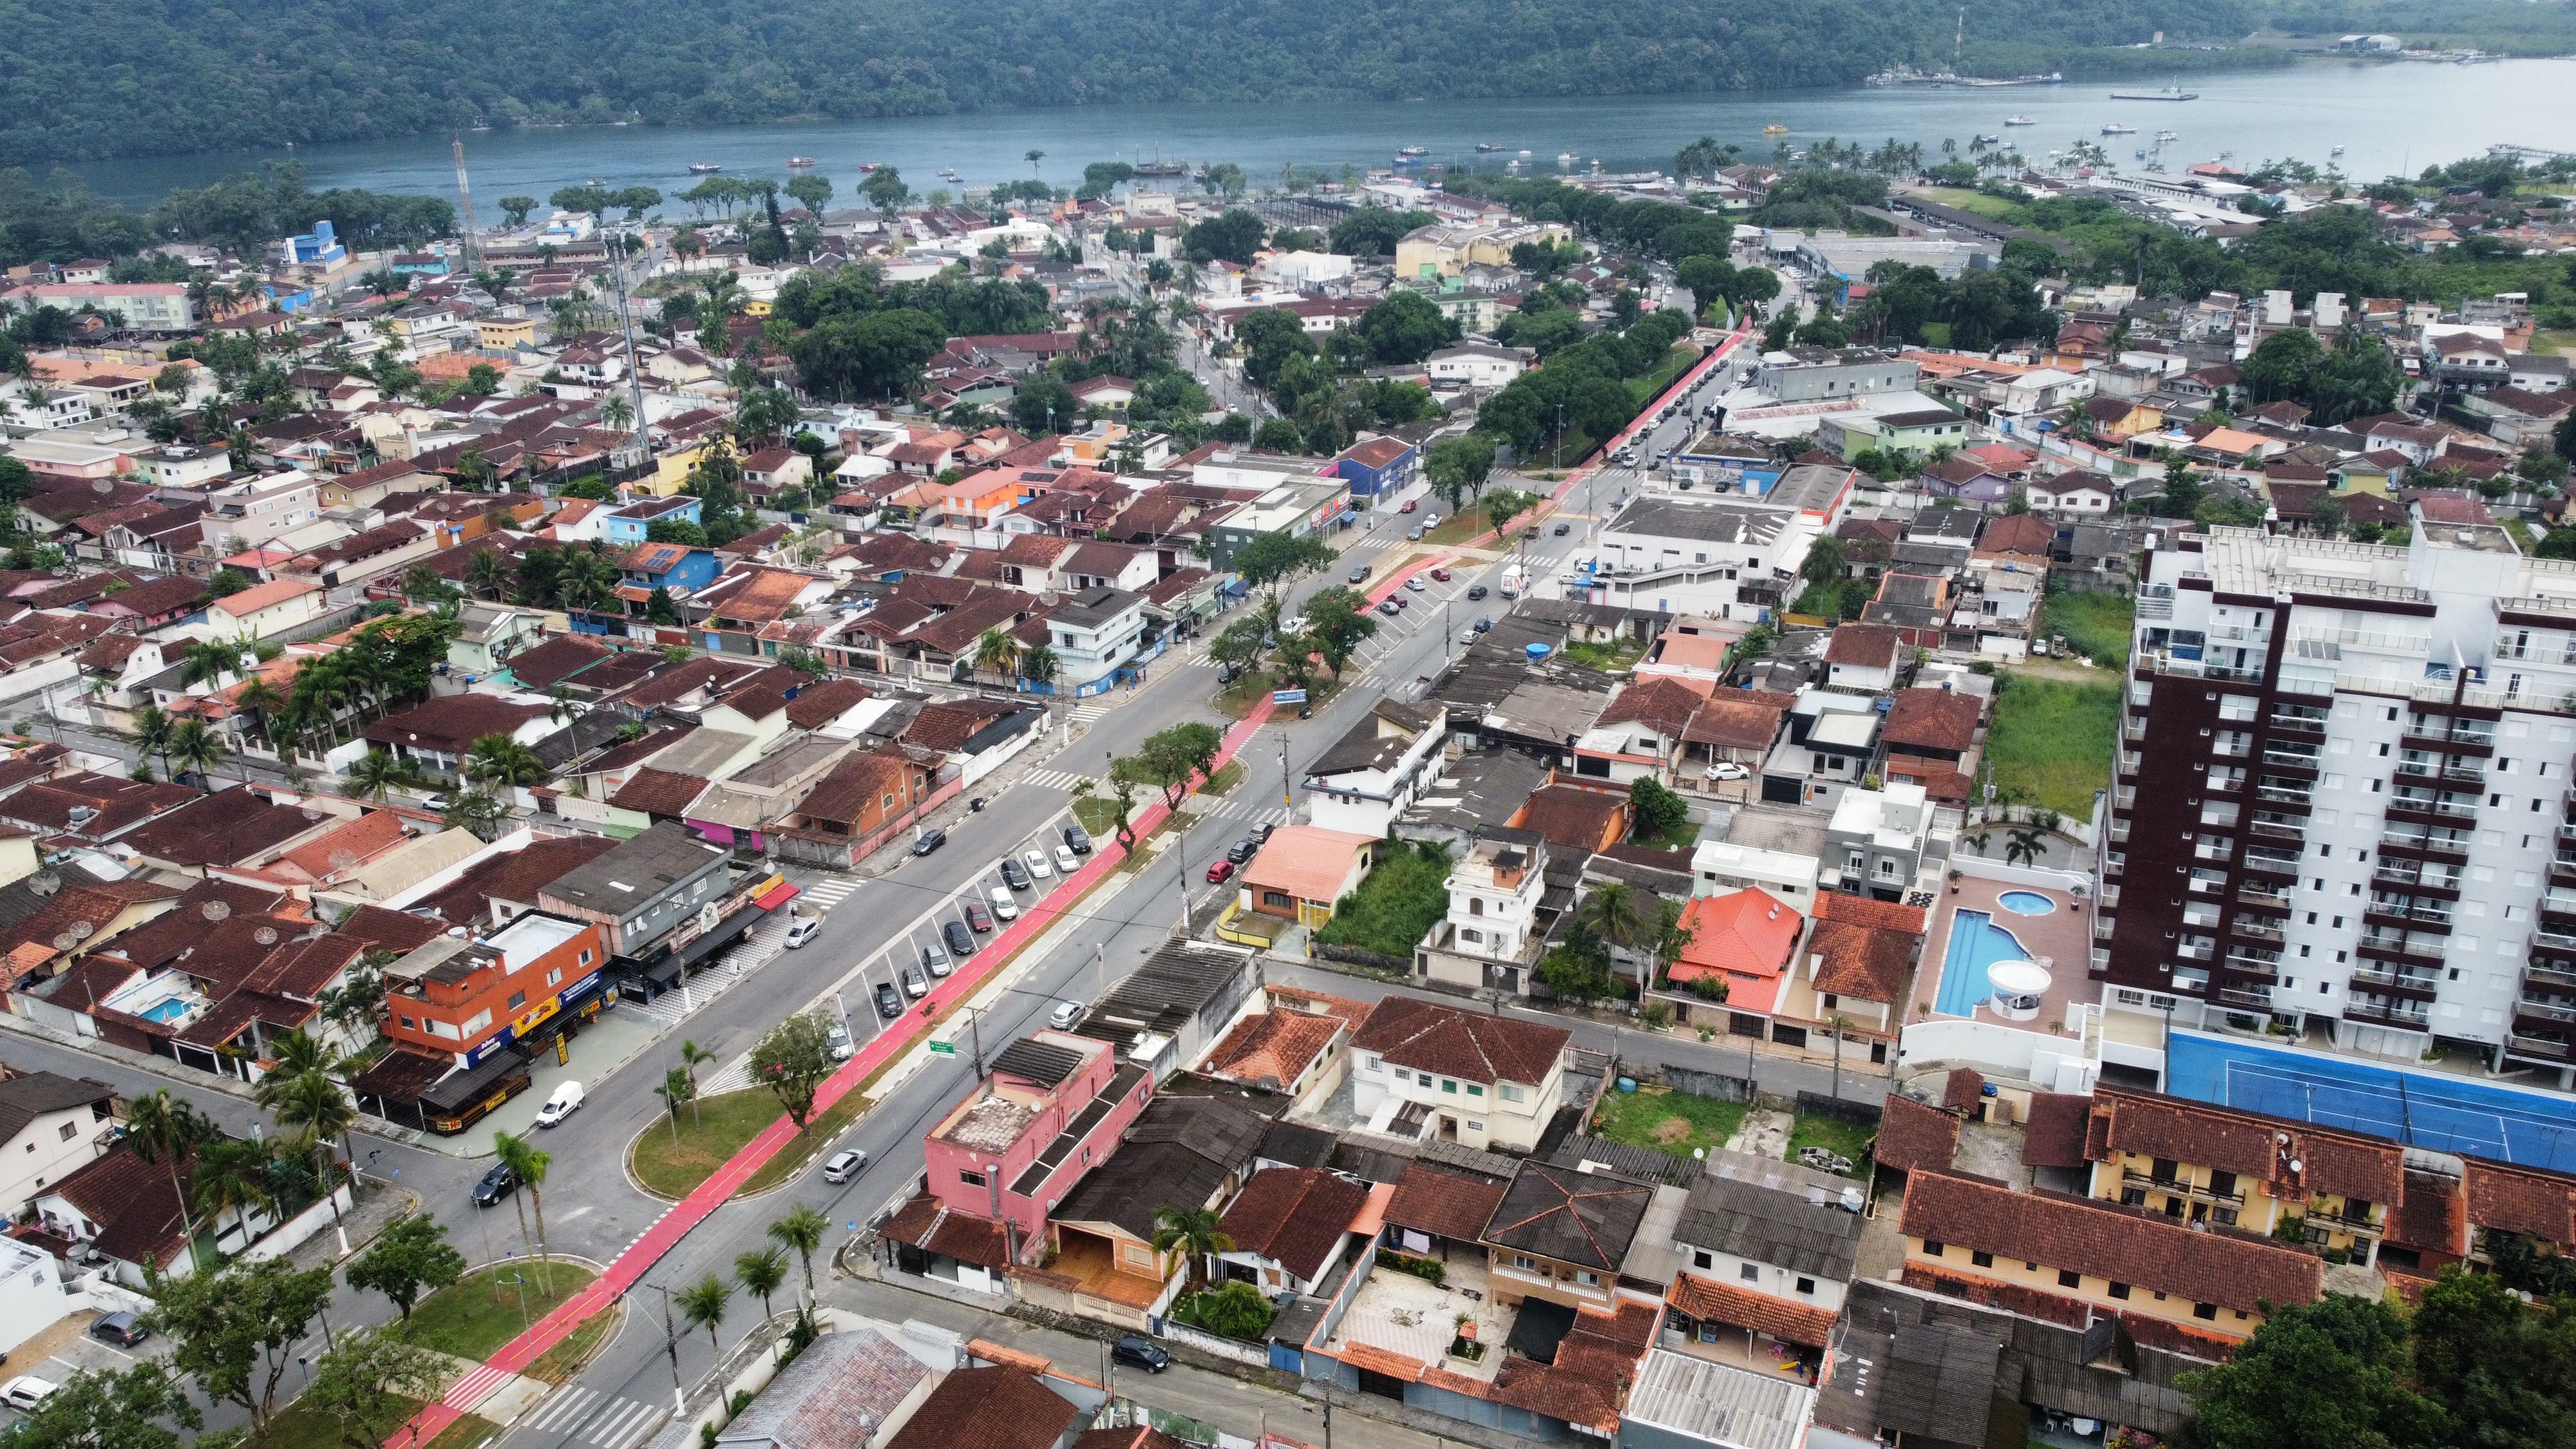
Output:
(1747, 938)
(465, 999)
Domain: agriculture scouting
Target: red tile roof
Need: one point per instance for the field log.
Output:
(1933, 719)
(1714, 1302)
(1742, 933)
(1915, 1135)
(2072, 1234)
(1294, 1216)
(986, 1408)
(1272, 1046)
(658, 792)
(1871, 646)
(1443, 1204)
(1470, 1046)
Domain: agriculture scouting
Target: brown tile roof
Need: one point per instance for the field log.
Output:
(2073, 1235)
(658, 792)
(1573, 817)
(379, 929)
(2535, 1204)
(1589, 1219)
(1933, 719)
(223, 828)
(339, 851)
(933, 1228)
(1594, 1365)
(139, 1214)
(1963, 1090)
(1872, 646)
(943, 725)
(986, 1408)
(1294, 1216)
(2432, 1216)
(1661, 703)
(816, 705)
(2023, 533)
(451, 723)
(1868, 945)
(1737, 719)
(2247, 1144)
(1470, 1046)
(1916, 1135)
(2054, 1135)
(513, 876)
(1782, 1318)
(1272, 1046)
(1443, 1204)
(764, 595)
(842, 795)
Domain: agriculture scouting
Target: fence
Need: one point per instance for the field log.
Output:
(1690, 1081)
(1258, 1355)
(1362, 956)
(1856, 1114)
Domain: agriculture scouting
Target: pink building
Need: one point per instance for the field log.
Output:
(1052, 1105)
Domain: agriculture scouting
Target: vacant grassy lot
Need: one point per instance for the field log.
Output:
(712, 1131)
(1841, 1137)
(1962, 199)
(1395, 905)
(2098, 625)
(2051, 742)
(1666, 1120)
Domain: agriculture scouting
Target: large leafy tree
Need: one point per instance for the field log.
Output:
(1405, 327)
(879, 354)
(1458, 466)
(793, 1061)
(1337, 619)
(371, 1380)
(234, 1331)
(1277, 558)
(409, 1259)
(142, 1407)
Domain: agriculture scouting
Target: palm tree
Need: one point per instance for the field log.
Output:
(2025, 844)
(208, 661)
(373, 774)
(308, 1104)
(198, 748)
(692, 1057)
(1612, 912)
(500, 760)
(560, 705)
(165, 1129)
(1198, 1232)
(527, 1162)
(703, 1304)
(232, 1176)
(260, 700)
(762, 1273)
(1040, 665)
(151, 734)
(1033, 158)
(587, 580)
(676, 1088)
(802, 1229)
(995, 651)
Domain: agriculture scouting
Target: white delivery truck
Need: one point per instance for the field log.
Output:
(1515, 579)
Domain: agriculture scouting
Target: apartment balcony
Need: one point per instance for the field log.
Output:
(2399, 948)
(2131, 1177)
(2231, 749)
(2544, 1010)
(2119, 832)
(2554, 940)
(2411, 1014)
(2256, 998)
(2291, 759)
(2559, 903)
(2372, 639)
(2155, 601)
(2200, 916)
(2417, 876)
(2545, 1048)
(2299, 719)
(2272, 861)
(2442, 842)
(2254, 895)
(2242, 966)
(2226, 782)
(2190, 952)
(2378, 979)
(2254, 928)
(2536, 974)
(2126, 799)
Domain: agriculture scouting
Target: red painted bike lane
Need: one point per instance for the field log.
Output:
(682, 1217)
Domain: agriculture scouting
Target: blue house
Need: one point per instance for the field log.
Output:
(1378, 467)
(627, 525)
(318, 245)
(668, 566)
(420, 264)
(288, 297)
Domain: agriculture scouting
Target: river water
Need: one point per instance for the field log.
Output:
(2389, 117)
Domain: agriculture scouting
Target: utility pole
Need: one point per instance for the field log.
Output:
(1287, 799)
(465, 209)
(634, 374)
(671, 1340)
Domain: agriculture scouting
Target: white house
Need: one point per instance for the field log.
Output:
(50, 1126)
(259, 509)
(1477, 364)
(266, 609)
(31, 1293)
(1433, 1071)
(1687, 554)
(1095, 633)
(1493, 897)
(2079, 491)
(1377, 769)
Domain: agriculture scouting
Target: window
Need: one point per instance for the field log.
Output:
(1475, 1091)
(2069, 1278)
(2119, 1290)
(410, 1025)
(1475, 906)
(1423, 1077)
(1587, 1278)
(585, 958)
(2205, 1310)
(1525, 1262)
(1749, 1272)
(518, 999)
(1981, 1260)
(1368, 1061)
(70, 1130)
(1512, 1093)
(1447, 1085)
(971, 1179)
(1475, 1126)
(1275, 898)
(555, 976)
(1807, 1286)
(1931, 1249)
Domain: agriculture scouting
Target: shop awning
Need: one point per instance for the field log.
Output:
(727, 931)
(454, 1090)
(776, 896)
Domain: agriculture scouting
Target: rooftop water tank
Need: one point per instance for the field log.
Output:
(1536, 652)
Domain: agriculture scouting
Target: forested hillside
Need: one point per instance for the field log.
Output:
(99, 78)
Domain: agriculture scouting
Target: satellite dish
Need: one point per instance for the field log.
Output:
(215, 910)
(102, 486)
(344, 859)
(80, 930)
(66, 941)
(265, 935)
(44, 884)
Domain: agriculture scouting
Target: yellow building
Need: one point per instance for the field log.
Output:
(1446, 251)
(1979, 1239)
(2209, 1166)
(499, 334)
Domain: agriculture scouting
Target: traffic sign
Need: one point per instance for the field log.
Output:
(1287, 696)
(943, 1049)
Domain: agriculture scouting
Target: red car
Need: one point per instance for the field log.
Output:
(1409, 505)
(978, 917)
(1221, 871)
(1440, 574)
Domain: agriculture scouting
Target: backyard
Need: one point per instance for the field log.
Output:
(1666, 1120)
(2097, 625)
(1395, 907)
(2051, 743)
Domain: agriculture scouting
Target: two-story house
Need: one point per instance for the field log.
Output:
(1377, 769)
(464, 998)
(651, 896)
(677, 567)
(1180, 1152)
(50, 1126)
(627, 526)
(1424, 1070)
(1562, 1234)
(1880, 842)
(2210, 1166)
(255, 510)
(1094, 634)
(1768, 1250)
(1050, 1107)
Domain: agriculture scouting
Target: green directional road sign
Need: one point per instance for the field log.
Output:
(943, 1049)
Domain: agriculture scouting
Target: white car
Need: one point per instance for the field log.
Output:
(1293, 624)
(1728, 770)
(1005, 906)
(1415, 584)
(845, 1165)
(566, 1100)
(1066, 860)
(838, 1036)
(27, 1391)
(802, 930)
(1036, 861)
(1066, 1013)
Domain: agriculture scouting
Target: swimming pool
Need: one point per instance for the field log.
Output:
(2026, 903)
(1976, 943)
(166, 1011)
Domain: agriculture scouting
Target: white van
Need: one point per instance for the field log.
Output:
(566, 1101)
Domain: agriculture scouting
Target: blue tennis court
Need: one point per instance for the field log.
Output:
(2423, 1109)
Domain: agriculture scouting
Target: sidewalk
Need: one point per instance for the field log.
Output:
(380, 1205)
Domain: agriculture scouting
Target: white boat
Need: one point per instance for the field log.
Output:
(703, 168)
(1564, 158)
(2337, 151)
(2019, 121)
(2166, 136)
(1413, 151)
(2116, 129)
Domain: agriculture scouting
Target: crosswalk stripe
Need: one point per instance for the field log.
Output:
(1053, 779)
(612, 1428)
(572, 1403)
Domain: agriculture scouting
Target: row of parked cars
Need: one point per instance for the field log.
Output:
(957, 937)
(1238, 854)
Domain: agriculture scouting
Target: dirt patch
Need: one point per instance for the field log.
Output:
(1671, 1132)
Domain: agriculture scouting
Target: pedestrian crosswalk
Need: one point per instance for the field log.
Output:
(1090, 714)
(1254, 812)
(732, 1079)
(595, 1417)
(826, 893)
(1054, 779)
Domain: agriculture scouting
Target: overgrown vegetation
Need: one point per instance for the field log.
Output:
(2097, 626)
(2051, 742)
(1667, 1121)
(1395, 907)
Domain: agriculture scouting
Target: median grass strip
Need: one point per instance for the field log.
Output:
(712, 1131)
(558, 1364)
(298, 1426)
(482, 1311)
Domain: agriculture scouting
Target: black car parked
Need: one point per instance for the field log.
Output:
(1242, 850)
(889, 1002)
(1077, 840)
(1142, 1352)
(961, 941)
(929, 841)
